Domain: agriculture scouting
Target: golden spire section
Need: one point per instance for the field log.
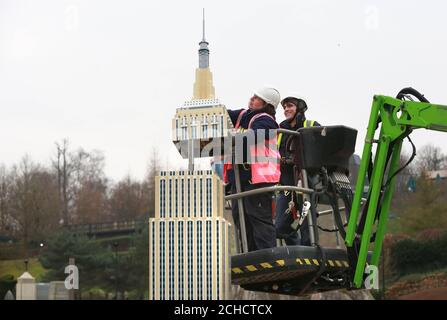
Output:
(203, 86)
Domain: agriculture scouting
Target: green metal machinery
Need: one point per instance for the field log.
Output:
(390, 122)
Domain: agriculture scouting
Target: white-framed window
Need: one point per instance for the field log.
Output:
(201, 197)
(153, 260)
(194, 127)
(183, 196)
(205, 127)
(162, 260)
(189, 196)
(209, 262)
(184, 129)
(199, 263)
(176, 197)
(181, 264)
(221, 125)
(190, 260)
(195, 198)
(209, 197)
(171, 260)
(163, 198)
(214, 125)
(170, 198)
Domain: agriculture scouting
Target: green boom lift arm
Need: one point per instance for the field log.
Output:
(397, 118)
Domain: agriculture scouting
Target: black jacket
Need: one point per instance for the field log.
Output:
(287, 169)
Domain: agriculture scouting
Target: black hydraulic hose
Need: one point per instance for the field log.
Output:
(347, 201)
(401, 96)
(405, 165)
(411, 91)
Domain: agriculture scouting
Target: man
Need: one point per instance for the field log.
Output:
(294, 111)
(256, 173)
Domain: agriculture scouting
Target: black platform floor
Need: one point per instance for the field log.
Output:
(289, 269)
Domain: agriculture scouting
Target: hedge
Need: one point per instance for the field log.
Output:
(416, 256)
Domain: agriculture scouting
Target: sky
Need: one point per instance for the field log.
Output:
(108, 75)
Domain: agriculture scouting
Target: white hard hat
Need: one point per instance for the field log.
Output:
(296, 97)
(269, 95)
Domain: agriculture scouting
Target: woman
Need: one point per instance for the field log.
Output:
(260, 167)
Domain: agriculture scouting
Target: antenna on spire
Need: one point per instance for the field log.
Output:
(204, 52)
(203, 28)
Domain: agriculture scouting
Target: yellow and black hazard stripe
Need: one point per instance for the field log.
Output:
(308, 123)
(331, 263)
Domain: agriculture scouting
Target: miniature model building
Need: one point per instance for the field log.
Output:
(189, 251)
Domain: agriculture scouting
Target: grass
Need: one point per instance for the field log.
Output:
(17, 267)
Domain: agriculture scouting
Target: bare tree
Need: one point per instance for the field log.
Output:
(82, 184)
(63, 168)
(430, 158)
(149, 183)
(5, 189)
(89, 185)
(34, 200)
(127, 200)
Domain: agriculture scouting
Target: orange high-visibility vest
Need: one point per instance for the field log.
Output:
(261, 171)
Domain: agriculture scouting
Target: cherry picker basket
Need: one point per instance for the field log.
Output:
(330, 147)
